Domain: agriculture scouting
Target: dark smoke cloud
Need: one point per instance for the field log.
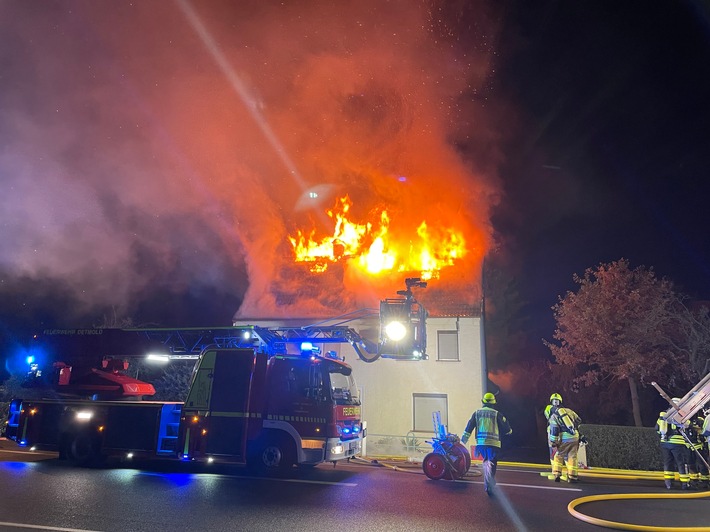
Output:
(156, 152)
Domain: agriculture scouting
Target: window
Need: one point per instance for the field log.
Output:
(425, 404)
(447, 347)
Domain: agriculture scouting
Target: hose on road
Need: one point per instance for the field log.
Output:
(403, 465)
(571, 508)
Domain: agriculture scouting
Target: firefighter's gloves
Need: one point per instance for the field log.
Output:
(583, 439)
(465, 437)
(554, 443)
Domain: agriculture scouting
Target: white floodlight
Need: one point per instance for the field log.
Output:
(395, 330)
(158, 358)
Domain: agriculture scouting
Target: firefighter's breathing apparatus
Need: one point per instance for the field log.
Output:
(679, 412)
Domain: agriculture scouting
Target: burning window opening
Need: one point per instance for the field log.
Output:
(372, 248)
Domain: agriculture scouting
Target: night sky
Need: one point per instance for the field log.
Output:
(154, 155)
(610, 153)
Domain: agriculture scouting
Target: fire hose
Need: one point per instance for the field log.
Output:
(629, 475)
(626, 475)
(402, 465)
(571, 508)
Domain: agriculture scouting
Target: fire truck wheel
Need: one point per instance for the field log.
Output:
(434, 466)
(84, 450)
(274, 453)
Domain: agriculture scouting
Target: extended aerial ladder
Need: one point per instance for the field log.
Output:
(72, 354)
(186, 344)
(680, 412)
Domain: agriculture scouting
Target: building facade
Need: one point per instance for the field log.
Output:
(400, 396)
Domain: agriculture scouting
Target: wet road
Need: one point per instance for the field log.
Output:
(49, 494)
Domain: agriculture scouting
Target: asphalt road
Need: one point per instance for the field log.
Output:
(48, 494)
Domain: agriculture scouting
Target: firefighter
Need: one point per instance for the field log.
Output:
(554, 398)
(699, 477)
(564, 438)
(489, 425)
(674, 451)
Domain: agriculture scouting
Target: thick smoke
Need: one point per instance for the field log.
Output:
(152, 149)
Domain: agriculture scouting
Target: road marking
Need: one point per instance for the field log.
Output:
(300, 481)
(40, 527)
(31, 453)
(523, 486)
(275, 479)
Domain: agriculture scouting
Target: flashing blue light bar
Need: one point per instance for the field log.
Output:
(306, 347)
(30, 359)
(356, 428)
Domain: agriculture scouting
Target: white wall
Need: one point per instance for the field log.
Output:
(388, 384)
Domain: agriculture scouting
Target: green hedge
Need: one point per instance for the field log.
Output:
(622, 447)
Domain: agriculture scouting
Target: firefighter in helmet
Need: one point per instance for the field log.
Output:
(563, 437)
(557, 399)
(674, 450)
(699, 476)
(488, 425)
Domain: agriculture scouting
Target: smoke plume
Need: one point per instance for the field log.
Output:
(154, 149)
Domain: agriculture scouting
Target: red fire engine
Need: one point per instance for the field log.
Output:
(254, 399)
(250, 405)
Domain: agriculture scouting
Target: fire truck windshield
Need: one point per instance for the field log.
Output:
(343, 389)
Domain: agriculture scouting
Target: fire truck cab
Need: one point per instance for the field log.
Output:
(271, 412)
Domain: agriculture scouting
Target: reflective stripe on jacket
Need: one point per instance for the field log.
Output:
(669, 432)
(489, 424)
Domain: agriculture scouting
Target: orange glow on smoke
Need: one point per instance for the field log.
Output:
(370, 247)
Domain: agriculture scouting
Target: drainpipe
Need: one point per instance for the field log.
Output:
(484, 363)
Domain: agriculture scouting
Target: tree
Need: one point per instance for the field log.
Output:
(623, 324)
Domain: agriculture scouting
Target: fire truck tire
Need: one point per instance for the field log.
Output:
(84, 450)
(274, 452)
(434, 466)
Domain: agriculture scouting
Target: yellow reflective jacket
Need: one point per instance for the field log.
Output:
(488, 424)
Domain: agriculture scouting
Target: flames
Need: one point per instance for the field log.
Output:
(372, 248)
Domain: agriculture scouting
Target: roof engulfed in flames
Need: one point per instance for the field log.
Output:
(372, 247)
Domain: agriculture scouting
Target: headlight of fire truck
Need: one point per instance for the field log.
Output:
(338, 449)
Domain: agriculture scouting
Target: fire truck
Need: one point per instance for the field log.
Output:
(255, 403)
(266, 397)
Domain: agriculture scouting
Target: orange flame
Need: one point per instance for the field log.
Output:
(371, 248)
